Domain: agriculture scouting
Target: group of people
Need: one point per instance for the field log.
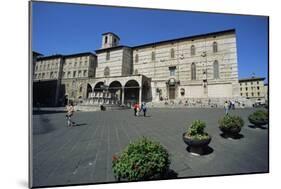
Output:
(228, 105)
(138, 109)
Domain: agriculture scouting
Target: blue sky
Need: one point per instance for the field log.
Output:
(67, 28)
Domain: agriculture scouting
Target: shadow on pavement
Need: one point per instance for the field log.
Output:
(257, 127)
(43, 127)
(206, 151)
(236, 137)
(40, 112)
(80, 124)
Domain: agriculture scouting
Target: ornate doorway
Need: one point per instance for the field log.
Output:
(172, 92)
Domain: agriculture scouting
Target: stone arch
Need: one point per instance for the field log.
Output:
(132, 91)
(89, 90)
(115, 87)
(98, 86)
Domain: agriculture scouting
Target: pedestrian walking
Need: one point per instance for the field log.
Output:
(135, 108)
(138, 109)
(226, 107)
(69, 114)
(144, 108)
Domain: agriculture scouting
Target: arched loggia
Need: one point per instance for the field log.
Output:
(115, 87)
(132, 91)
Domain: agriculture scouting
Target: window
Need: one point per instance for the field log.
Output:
(36, 67)
(80, 89)
(152, 55)
(74, 73)
(35, 75)
(241, 94)
(43, 75)
(106, 71)
(252, 94)
(258, 88)
(86, 63)
(172, 71)
(39, 76)
(137, 58)
(246, 84)
(215, 47)
(68, 74)
(258, 93)
(105, 39)
(79, 73)
(63, 74)
(240, 88)
(182, 91)
(192, 50)
(251, 83)
(246, 94)
(80, 64)
(51, 75)
(85, 72)
(216, 69)
(172, 53)
(257, 82)
(75, 63)
(246, 88)
(107, 55)
(193, 71)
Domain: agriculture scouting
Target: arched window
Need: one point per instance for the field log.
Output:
(216, 69)
(215, 47)
(193, 71)
(80, 89)
(107, 55)
(106, 71)
(136, 72)
(192, 50)
(136, 58)
(172, 52)
(153, 55)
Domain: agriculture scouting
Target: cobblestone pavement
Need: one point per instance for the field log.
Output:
(83, 154)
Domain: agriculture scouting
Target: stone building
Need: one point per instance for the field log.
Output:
(253, 89)
(187, 69)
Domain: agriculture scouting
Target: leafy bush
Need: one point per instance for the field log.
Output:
(196, 130)
(259, 117)
(141, 160)
(229, 122)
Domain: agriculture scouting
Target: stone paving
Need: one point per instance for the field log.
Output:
(83, 154)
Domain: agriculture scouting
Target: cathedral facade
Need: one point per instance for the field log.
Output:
(189, 68)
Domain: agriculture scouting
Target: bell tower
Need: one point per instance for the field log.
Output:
(109, 39)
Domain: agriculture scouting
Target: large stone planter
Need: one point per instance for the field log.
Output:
(196, 146)
(231, 132)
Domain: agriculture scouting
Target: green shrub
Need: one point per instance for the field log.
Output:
(231, 122)
(196, 130)
(141, 160)
(259, 117)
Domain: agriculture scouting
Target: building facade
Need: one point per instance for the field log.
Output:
(185, 69)
(253, 89)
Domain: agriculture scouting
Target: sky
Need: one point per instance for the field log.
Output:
(59, 28)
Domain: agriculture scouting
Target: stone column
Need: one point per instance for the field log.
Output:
(123, 95)
(140, 95)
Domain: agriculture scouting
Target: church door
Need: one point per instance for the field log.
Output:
(172, 92)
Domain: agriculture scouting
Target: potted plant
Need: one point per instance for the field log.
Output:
(231, 125)
(259, 118)
(142, 160)
(195, 137)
